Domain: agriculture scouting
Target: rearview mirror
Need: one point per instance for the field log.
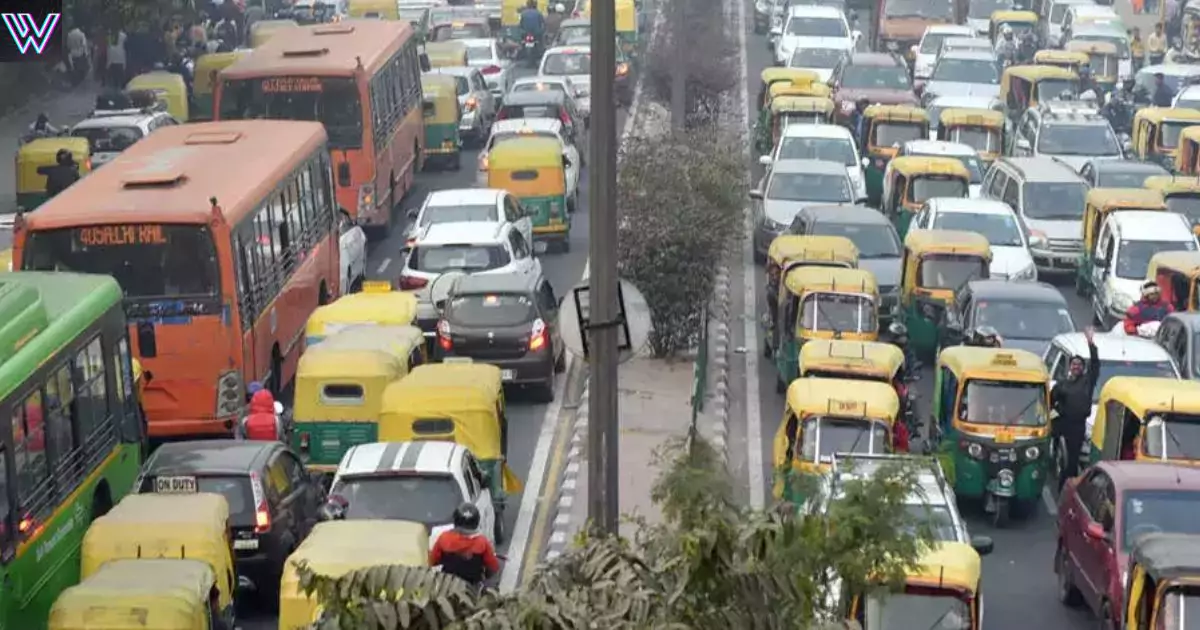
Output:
(413, 213)
(765, 160)
(756, 194)
(983, 545)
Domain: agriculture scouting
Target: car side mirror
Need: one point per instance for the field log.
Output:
(413, 213)
(765, 160)
(983, 545)
(1023, 144)
(1095, 531)
(756, 194)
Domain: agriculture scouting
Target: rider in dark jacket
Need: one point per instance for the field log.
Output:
(62, 174)
(532, 20)
(1072, 398)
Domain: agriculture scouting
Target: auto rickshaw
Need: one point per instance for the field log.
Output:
(263, 30)
(1103, 57)
(1068, 60)
(785, 110)
(821, 303)
(1147, 419)
(773, 75)
(335, 548)
(827, 416)
(980, 129)
(31, 184)
(170, 89)
(798, 88)
(627, 26)
(534, 170)
(457, 402)
(378, 9)
(441, 110)
(1022, 87)
(1019, 21)
(510, 18)
(205, 81)
(937, 263)
(449, 54)
(851, 360)
(1189, 151)
(1181, 194)
(1156, 133)
(944, 585)
(377, 304)
(1164, 573)
(166, 526)
(1177, 275)
(991, 407)
(887, 127)
(793, 250)
(1102, 202)
(159, 594)
(339, 389)
(911, 180)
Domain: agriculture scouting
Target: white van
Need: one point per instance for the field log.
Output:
(1126, 241)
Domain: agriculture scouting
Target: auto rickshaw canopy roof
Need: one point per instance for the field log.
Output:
(842, 397)
(916, 165)
(800, 248)
(1187, 263)
(801, 280)
(159, 526)
(1159, 115)
(44, 150)
(370, 306)
(468, 395)
(335, 548)
(1001, 364)
(922, 242)
(792, 75)
(1168, 556)
(1056, 57)
(1144, 395)
(1038, 73)
(1109, 199)
(361, 351)
(1173, 184)
(440, 85)
(971, 116)
(1089, 47)
(788, 104)
(525, 153)
(146, 594)
(1014, 17)
(897, 113)
(869, 358)
(953, 565)
(785, 88)
(1190, 133)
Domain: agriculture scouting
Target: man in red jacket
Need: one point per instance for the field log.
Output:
(1151, 308)
(262, 423)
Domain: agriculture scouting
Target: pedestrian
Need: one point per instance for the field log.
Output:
(77, 54)
(1156, 45)
(1072, 399)
(858, 119)
(1137, 48)
(114, 75)
(63, 173)
(1163, 95)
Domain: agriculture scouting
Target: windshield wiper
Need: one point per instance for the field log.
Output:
(1021, 412)
(1175, 440)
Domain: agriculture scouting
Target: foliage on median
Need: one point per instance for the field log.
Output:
(710, 565)
(708, 63)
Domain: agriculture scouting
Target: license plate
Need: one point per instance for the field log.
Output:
(175, 485)
(245, 544)
(508, 375)
(1004, 437)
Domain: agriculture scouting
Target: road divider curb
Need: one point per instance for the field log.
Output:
(718, 353)
(568, 491)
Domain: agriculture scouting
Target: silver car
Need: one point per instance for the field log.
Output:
(496, 69)
(963, 73)
(789, 187)
(476, 100)
(563, 85)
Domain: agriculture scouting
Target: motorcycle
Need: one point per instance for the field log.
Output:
(530, 52)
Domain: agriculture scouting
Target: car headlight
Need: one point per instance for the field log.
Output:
(1028, 273)
(975, 450)
(1032, 452)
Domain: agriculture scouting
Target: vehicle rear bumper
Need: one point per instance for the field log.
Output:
(551, 232)
(534, 367)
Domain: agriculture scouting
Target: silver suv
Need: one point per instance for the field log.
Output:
(1071, 132)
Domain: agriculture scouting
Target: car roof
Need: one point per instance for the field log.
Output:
(815, 10)
(1190, 90)
(969, 53)
(580, 49)
(553, 125)
(967, 40)
(1138, 475)
(812, 130)
(950, 28)
(938, 147)
(454, 71)
(211, 457)
(477, 41)
(1043, 169)
(871, 59)
(1020, 291)
(1127, 166)
(1113, 347)
(849, 214)
(543, 78)
(1151, 225)
(816, 167)
(386, 457)
(1190, 320)
(493, 283)
(460, 196)
(965, 205)
(980, 102)
(461, 232)
(535, 97)
(1172, 69)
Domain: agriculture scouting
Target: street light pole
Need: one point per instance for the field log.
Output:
(603, 506)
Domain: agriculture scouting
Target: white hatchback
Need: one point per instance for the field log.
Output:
(925, 53)
(995, 220)
(812, 26)
(829, 143)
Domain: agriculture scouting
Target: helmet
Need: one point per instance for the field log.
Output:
(560, 8)
(987, 336)
(466, 516)
(253, 388)
(1006, 30)
(63, 156)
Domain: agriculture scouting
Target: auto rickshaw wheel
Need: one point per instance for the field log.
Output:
(498, 533)
(1068, 594)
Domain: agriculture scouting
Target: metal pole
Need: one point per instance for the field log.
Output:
(603, 505)
(680, 75)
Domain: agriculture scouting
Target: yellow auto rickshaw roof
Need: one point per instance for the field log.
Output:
(794, 75)
(446, 387)
(159, 526)
(784, 89)
(947, 242)
(1038, 73)
(361, 351)
(335, 548)
(1014, 16)
(830, 279)
(972, 116)
(786, 104)
(1108, 199)
(156, 79)
(1002, 364)
(907, 113)
(1052, 56)
(874, 358)
(44, 149)
(949, 564)
(800, 247)
(366, 307)
(1158, 115)
(528, 152)
(1145, 394)
(1186, 262)
(843, 397)
(146, 594)
(440, 83)
(914, 165)
(1092, 47)
(1172, 184)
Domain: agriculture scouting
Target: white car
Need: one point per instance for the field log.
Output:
(1058, 13)
(539, 127)
(574, 63)
(979, 14)
(1187, 98)
(352, 242)
(466, 247)
(109, 132)
(1123, 247)
(421, 481)
(951, 44)
(564, 85)
(475, 99)
(925, 54)
(822, 61)
(995, 220)
(957, 150)
(485, 55)
(472, 205)
(831, 143)
(812, 26)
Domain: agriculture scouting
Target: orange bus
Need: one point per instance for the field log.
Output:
(362, 80)
(223, 238)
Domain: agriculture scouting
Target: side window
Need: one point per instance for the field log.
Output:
(60, 420)
(1010, 196)
(1060, 370)
(517, 242)
(1179, 291)
(1108, 503)
(1052, 355)
(546, 297)
(1086, 491)
(949, 389)
(278, 478)
(91, 393)
(476, 471)
(294, 469)
(472, 482)
(266, 244)
(29, 442)
(513, 209)
(1088, 174)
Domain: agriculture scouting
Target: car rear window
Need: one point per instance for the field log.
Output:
(443, 258)
(490, 310)
(529, 111)
(235, 488)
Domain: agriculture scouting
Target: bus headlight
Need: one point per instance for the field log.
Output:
(229, 394)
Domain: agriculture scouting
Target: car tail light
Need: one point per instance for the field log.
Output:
(491, 70)
(412, 283)
(262, 513)
(443, 335)
(540, 336)
(304, 441)
(366, 197)
(471, 104)
(622, 69)
(26, 525)
(529, 38)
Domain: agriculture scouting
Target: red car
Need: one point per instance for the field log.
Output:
(1102, 513)
(881, 78)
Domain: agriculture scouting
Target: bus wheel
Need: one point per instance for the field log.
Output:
(102, 500)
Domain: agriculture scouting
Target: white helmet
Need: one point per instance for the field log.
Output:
(560, 8)
(1006, 30)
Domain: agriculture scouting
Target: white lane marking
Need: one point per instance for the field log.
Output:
(383, 265)
(754, 457)
(1048, 499)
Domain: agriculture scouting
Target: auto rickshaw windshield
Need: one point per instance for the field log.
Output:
(1180, 608)
(428, 499)
(1001, 230)
(825, 149)
(1167, 511)
(982, 139)
(1008, 403)
(842, 312)
(1024, 319)
(1133, 257)
(918, 608)
(1055, 201)
(1049, 89)
(1186, 204)
(872, 241)
(1172, 436)
(895, 133)
(841, 435)
(926, 187)
(950, 271)
(1168, 133)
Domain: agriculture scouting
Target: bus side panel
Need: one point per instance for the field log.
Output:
(405, 149)
(191, 351)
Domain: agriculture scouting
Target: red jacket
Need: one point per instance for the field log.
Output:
(468, 556)
(1143, 311)
(900, 437)
(261, 423)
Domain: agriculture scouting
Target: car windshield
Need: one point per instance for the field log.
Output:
(978, 138)
(1187, 103)
(809, 187)
(983, 9)
(1133, 257)
(1006, 403)
(1159, 511)
(480, 54)
(443, 258)
(1110, 368)
(872, 241)
(459, 30)
(826, 149)
(966, 71)
(427, 499)
(108, 139)
(817, 58)
(575, 35)
(929, 186)
(1059, 11)
(932, 42)
(1059, 201)
(458, 212)
(907, 611)
(1001, 230)
(1117, 178)
(840, 312)
(502, 137)
(559, 64)
(826, 436)
(1024, 320)
(1185, 204)
(936, 517)
(869, 77)
(1059, 139)
(1168, 137)
(929, 9)
(332, 101)
(894, 134)
(490, 310)
(816, 27)
(235, 489)
(948, 271)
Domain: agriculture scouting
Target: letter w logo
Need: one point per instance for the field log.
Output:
(27, 33)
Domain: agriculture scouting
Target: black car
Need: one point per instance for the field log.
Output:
(273, 502)
(510, 321)
(542, 104)
(1119, 173)
(1027, 315)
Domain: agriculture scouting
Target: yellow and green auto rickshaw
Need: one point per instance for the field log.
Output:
(1104, 58)
(1181, 194)
(534, 170)
(1022, 87)
(1145, 418)
(263, 30)
(1157, 133)
(980, 129)
(887, 127)
(1102, 202)
(205, 81)
(1186, 158)
(1163, 577)
(786, 110)
(447, 54)
(1020, 22)
(794, 250)
(145, 594)
(510, 18)
(773, 75)
(36, 154)
(627, 26)
(376, 305)
(937, 263)
(911, 180)
(944, 584)
(378, 9)
(991, 407)
(1072, 61)
(1178, 277)
(821, 303)
(168, 87)
(443, 146)
(851, 360)
(827, 416)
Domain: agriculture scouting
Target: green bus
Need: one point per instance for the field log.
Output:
(75, 440)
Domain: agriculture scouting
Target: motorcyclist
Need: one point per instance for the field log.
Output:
(60, 175)
(1006, 46)
(1151, 308)
(1087, 82)
(42, 128)
(1027, 47)
(463, 551)
(532, 22)
(556, 13)
(1072, 399)
(984, 337)
(263, 422)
